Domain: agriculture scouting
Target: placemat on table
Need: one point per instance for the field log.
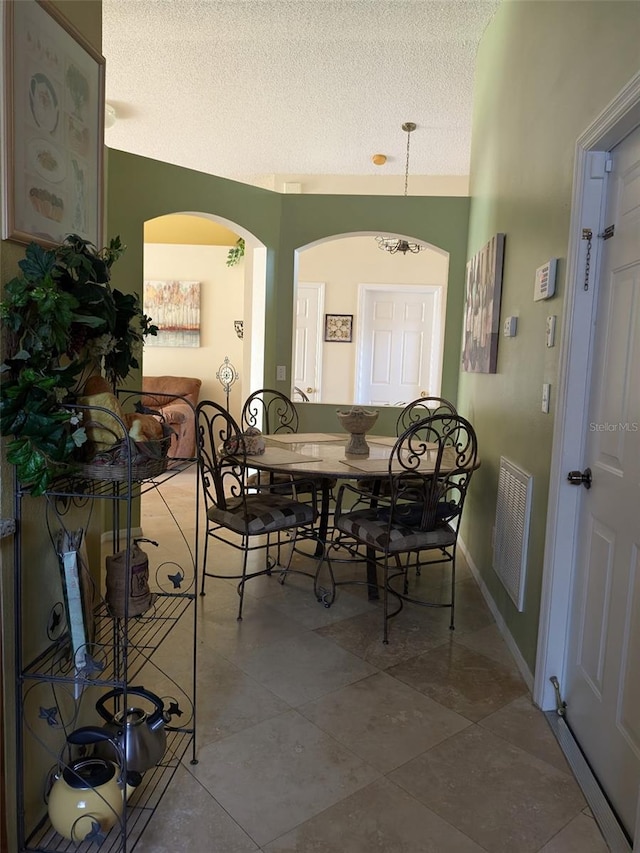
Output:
(281, 456)
(381, 466)
(390, 440)
(304, 437)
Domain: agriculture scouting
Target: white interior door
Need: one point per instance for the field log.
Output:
(307, 342)
(602, 681)
(400, 344)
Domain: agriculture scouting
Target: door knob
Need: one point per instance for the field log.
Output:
(310, 390)
(580, 478)
(424, 393)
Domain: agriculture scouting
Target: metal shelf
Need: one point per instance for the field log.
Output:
(117, 651)
(140, 808)
(144, 635)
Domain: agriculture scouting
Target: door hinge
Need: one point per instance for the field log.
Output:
(608, 166)
(608, 232)
(561, 705)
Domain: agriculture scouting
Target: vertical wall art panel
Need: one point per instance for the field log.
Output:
(482, 308)
(174, 307)
(53, 127)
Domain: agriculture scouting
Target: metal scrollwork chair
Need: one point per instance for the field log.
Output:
(430, 468)
(271, 411)
(274, 413)
(241, 517)
(423, 408)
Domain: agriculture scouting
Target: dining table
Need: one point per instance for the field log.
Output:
(323, 457)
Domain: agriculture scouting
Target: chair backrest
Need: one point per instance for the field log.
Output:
(300, 393)
(423, 408)
(221, 456)
(429, 471)
(270, 411)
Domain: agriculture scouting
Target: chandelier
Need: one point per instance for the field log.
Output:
(396, 244)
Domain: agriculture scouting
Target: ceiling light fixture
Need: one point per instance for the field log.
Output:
(395, 244)
(110, 115)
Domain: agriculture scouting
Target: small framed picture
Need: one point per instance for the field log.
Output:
(338, 327)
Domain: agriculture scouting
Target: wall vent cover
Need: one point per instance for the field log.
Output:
(513, 511)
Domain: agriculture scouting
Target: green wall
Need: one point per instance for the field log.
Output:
(141, 189)
(544, 72)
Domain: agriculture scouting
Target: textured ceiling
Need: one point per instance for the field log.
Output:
(265, 87)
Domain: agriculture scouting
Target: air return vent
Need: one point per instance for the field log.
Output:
(513, 510)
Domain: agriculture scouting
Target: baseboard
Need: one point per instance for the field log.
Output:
(607, 821)
(501, 624)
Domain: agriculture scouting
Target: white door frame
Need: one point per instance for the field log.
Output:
(619, 118)
(440, 291)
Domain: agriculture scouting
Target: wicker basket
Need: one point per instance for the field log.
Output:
(145, 459)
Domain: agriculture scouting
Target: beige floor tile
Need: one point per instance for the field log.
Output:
(471, 611)
(296, 600)
(383, 721)
(304, 668)
(581, 835)
(466, 682)
(278, 774)
(410, 634)
(490, 643)
(380, 817)
(501, 796)
(228, 700)
(221, 634)
(524, 725)
(189, 818)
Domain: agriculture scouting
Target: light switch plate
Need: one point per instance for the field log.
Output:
(546, 394)
(281, 372)
(551, 331)
(510, 327)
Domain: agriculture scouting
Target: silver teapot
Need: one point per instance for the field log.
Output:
(140, 735)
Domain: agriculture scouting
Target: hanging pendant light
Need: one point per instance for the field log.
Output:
(395, 244)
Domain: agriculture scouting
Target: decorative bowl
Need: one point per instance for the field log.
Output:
(357, 422)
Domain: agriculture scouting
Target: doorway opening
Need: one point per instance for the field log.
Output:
(344, 265)
(195, 247)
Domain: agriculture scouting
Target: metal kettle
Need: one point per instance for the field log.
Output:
(140, 735)
(88, 793)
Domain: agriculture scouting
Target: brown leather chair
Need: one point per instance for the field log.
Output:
(176, 398)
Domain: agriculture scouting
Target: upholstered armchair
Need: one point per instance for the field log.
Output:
(176, 398)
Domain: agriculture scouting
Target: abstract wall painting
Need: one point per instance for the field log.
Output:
(482, 308)
(174, 307)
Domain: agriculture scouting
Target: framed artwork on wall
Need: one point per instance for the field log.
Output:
(174, 307)
(338, 328)
(53, 128)
(482, 308)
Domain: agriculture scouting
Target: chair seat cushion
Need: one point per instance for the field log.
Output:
(265, 513)
(371, 528)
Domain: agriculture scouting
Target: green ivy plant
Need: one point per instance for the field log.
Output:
(235, 253)
(62, 319)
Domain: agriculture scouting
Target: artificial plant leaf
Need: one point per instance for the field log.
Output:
(37, 263)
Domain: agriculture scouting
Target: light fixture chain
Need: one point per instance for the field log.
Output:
(406, 168)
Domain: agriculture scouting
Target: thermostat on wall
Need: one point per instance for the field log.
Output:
(545, 285)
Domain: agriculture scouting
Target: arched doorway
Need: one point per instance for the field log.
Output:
(199, 248)
(347, 269)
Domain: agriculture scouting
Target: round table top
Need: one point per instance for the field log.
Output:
(324, 454)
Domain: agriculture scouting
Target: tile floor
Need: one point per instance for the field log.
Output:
(313, 737)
